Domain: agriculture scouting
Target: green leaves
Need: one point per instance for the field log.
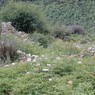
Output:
(24, 16)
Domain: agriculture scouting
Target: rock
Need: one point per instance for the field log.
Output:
(29, 60)
(19, 51)
(7, 28)
(77, 29)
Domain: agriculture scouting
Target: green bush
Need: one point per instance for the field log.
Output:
(60, 31)
(24, 17)
(43, 40)
(64, 69)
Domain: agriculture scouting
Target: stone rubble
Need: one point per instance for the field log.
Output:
(26, 57)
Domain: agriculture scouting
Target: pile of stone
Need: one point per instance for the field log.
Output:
(27, 57)
(89, 50)
(7, 27)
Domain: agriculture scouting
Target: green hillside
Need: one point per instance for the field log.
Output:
(47, 47)
(69, 12)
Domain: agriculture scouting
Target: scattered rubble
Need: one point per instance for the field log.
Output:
(26, 57)
(91, 50)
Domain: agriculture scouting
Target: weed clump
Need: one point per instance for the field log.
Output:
(8, 50)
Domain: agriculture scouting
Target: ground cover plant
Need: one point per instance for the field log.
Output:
(63, 68)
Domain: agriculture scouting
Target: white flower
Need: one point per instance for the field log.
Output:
(49, 65)
(50, 79)
(79, 62)
(28, 73)
(45, 70)
(13, 63)
(70, 82)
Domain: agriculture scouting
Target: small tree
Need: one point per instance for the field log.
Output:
(24, 17)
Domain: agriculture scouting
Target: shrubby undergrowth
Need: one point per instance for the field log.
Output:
(61, 62)
(24, 17)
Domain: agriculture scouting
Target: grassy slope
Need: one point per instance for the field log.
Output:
(65, 76)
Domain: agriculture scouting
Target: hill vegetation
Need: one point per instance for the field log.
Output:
(68, 12)
(47, 47)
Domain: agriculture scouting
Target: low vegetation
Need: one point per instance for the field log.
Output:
(46, 57)
(8, 50)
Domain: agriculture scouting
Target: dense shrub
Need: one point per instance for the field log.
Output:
(37, 37)
(60, 31)
(24, 17)
(64, 32)
(43, 40)
(8, 50)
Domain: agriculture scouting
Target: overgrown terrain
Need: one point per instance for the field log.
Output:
(51, 50)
